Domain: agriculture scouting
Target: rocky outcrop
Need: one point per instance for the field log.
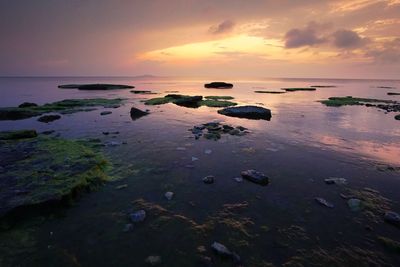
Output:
(219, 85)
(248, 112)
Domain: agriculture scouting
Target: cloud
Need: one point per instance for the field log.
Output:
(347, 39)
(389, 53)
(307, 36)
(224, 27)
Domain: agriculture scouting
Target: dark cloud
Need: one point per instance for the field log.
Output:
(347, 39)
(307, 36)
(224, 27)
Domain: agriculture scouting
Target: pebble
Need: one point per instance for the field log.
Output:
(169, 195)
(195, 159)
(153, 260)
(208, 151)
(128, 227)
(238, 179)
(392, 218)
(208, 179)
(323, 202)
(138, 216)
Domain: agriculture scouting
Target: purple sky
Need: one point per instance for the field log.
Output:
(231, 38)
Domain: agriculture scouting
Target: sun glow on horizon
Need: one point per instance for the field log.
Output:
(237, 46)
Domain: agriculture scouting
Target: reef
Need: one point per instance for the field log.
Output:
(42, 170)
(66, 106)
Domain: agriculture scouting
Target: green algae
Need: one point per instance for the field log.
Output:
(66, 106)
(20, 134)
(158, 101)
(47, 170)
(216, 103)
(350, 101)
(390, 244)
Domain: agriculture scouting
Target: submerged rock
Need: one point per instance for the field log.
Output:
(219, 85)
(49, 118)
(392, 218)
(137, 113)
(21, 134)
(323, 202)
(255, 177)
(269, 92)
(397, 117)
(142, 92)
(208, 179)
(299, 89)
(97, 86)
(105, 113)
(138, 216)
(248, 112)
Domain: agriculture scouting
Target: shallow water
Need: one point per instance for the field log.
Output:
(304, 143)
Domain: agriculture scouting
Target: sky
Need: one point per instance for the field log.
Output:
(221, 38)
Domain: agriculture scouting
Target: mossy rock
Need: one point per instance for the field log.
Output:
(21, 134)
(269, 92)
(158, 101)
(299, 89)
(217, 103)
(191, 101)
(352, 101)
(66, 106)
(217, 97)
(46, 170)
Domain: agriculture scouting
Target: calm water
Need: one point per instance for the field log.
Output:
(304, 143)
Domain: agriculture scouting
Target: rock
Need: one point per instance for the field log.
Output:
(153, 260)
(238, 179)
(17, 113)
(223, 251)
(219, 85)
(397, 117)
(49, 118)
(143, 92)
(127, 228)
(208, 151)
(105, 113)
(48, 132)
(98, 86)
(138, 216)
(323, 202)
(334, 180)
(392, 218)
(255, 177)
(169, 195)
(208, 179)
(137, 113)
(354, 204)
(14, 135)
(27, 105)
(195, 159)
(188, 101)
(122, 186)
(248, 112)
